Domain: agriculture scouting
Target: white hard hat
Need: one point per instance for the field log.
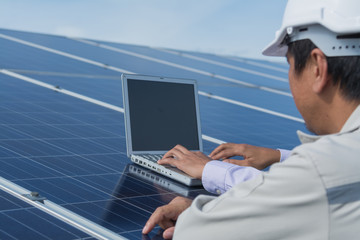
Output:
(332, 25)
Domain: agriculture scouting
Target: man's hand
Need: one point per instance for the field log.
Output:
(166, 216)
(257, 157)
(191, 163)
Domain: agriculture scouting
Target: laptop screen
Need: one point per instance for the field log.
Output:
(162, 114)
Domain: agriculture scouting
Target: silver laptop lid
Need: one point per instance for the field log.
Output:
(160, 113)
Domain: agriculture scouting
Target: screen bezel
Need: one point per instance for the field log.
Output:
(124, 79)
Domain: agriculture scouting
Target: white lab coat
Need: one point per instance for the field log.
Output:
(314, 194)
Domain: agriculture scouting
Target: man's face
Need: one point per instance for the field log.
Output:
(301, 89)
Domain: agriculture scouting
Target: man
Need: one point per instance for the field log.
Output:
(315, 193)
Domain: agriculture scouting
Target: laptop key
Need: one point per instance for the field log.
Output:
(151, 157)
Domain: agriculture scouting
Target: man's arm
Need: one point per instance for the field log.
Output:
(275, 205)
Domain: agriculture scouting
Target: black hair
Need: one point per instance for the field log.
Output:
(343, 70)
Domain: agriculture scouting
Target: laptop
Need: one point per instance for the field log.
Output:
(160, 113)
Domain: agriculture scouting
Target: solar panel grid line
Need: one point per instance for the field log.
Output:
(67, 92)
(25, 226)
(7, 235)
(119, 216)
(62, 130)
(190, 69)
(276, 91)
(36, 217)
(241, 69)
(252, 107)
(126, 199)
(57, 126)
(60, 74)
(257, 64)
(70, 154)
(63, 53)
(61, 174)
(211, 139)
(59, 212)
(233, 58)
(17, 208)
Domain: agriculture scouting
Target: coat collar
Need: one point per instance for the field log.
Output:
(350, 125)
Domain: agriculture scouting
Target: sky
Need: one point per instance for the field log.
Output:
(227, 27)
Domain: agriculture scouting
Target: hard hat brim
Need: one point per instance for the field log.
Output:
(276, 48)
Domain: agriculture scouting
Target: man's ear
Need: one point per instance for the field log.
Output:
(319, 68)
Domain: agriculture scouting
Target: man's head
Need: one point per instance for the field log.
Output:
(321, 40)
(344, 71)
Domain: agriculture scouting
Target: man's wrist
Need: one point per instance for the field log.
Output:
(284, 154)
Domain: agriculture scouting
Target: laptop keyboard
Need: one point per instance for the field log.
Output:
(152, 157)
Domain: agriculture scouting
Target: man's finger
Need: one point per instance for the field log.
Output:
(173, 153)
(151, 223)
(158, 217)
(181, 148)
(168, 154)
(168, 233)
(223, 155)
(216, 156)
(216, 150)
(168, 160)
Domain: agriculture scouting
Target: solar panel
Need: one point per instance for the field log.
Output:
(22, 221)
(62, 129)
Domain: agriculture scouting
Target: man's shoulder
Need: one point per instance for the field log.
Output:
(336, 157)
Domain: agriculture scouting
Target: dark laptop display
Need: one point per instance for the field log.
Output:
(162, 115)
